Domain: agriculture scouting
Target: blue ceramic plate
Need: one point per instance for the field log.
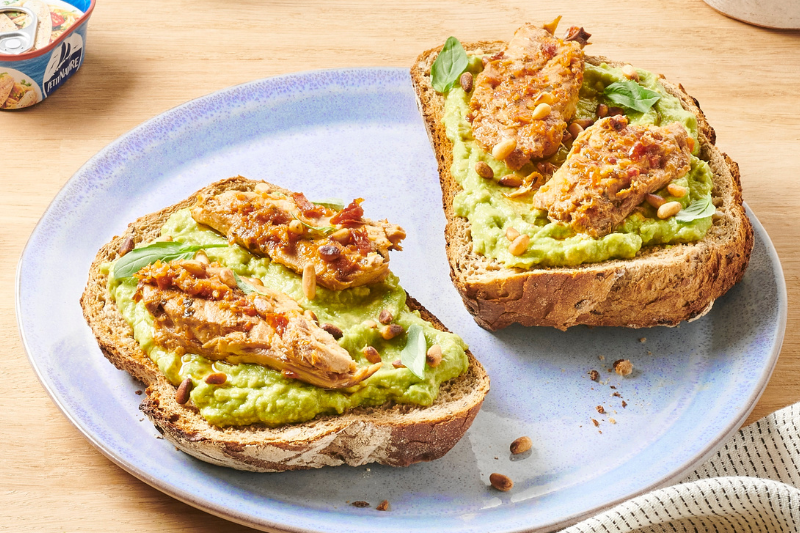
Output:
(357, 133)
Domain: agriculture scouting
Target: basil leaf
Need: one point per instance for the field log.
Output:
(246, 287)
(321, 229)
(337, 204)
(449, 65)
(702, 208)
(413, 355)
(632, 95)
(138, 258)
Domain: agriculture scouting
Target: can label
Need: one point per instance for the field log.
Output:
(64, 61)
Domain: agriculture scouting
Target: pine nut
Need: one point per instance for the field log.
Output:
(511, 233)
(584, 122)
(544, 98)
(503, 149)
(391, 331)
(371, 354)
(309, 314)
(630, 72)
(654, 200)
(466, 81)
(398, 364)
(202, 257)
(575, 129)
(602, 110)
(216, 379)
(669, 209)
(309, 282)
(434, 356)
(614, 111)
(126, 245)
(501, 482)
(341, 236)
(182, 394)
(385, 317)
(520, 245)
(296, 227)
(261, 187)
(227, 277)
(383, 506)
(335, 331)
(541, 111)
(511, 180)
(676, 190)
(196, 268)
(256, 282)
(521, 445)
(484, 170)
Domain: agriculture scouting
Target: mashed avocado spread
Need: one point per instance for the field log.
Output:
(490, 212)
(257, 394)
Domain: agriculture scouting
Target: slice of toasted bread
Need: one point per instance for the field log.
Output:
(662, 285)
(396, 435)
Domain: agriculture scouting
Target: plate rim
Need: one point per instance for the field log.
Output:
(233, 515)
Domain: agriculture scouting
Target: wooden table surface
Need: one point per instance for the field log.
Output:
(146, 57)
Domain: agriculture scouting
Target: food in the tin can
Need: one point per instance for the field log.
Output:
(44, 28)
(6, 24)
(54, 18)
(6, 85)
(15, 94)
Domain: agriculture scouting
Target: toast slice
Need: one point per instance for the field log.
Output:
(396, 435)
(662, 285)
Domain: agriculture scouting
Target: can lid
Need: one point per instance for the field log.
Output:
(19, 41)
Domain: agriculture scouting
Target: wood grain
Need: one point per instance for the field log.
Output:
(146, 57)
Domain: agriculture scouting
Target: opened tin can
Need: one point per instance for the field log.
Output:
(42, 44)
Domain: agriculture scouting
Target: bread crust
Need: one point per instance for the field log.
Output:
(662, 285)
(397, 435)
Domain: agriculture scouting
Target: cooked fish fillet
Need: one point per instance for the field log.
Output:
(6, 86)
(6, 24)
(27, 100)
(199, 308)
(44, 27)
(610, 169)
(535, 68)
(345, 249)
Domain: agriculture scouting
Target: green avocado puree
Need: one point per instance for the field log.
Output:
(490, 212)
(257, 394)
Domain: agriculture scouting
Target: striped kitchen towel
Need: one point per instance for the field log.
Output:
(752, 484)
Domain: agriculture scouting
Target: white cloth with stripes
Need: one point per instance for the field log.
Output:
(752, 484)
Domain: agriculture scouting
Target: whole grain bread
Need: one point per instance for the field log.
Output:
(662, 285)
(396, 435)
